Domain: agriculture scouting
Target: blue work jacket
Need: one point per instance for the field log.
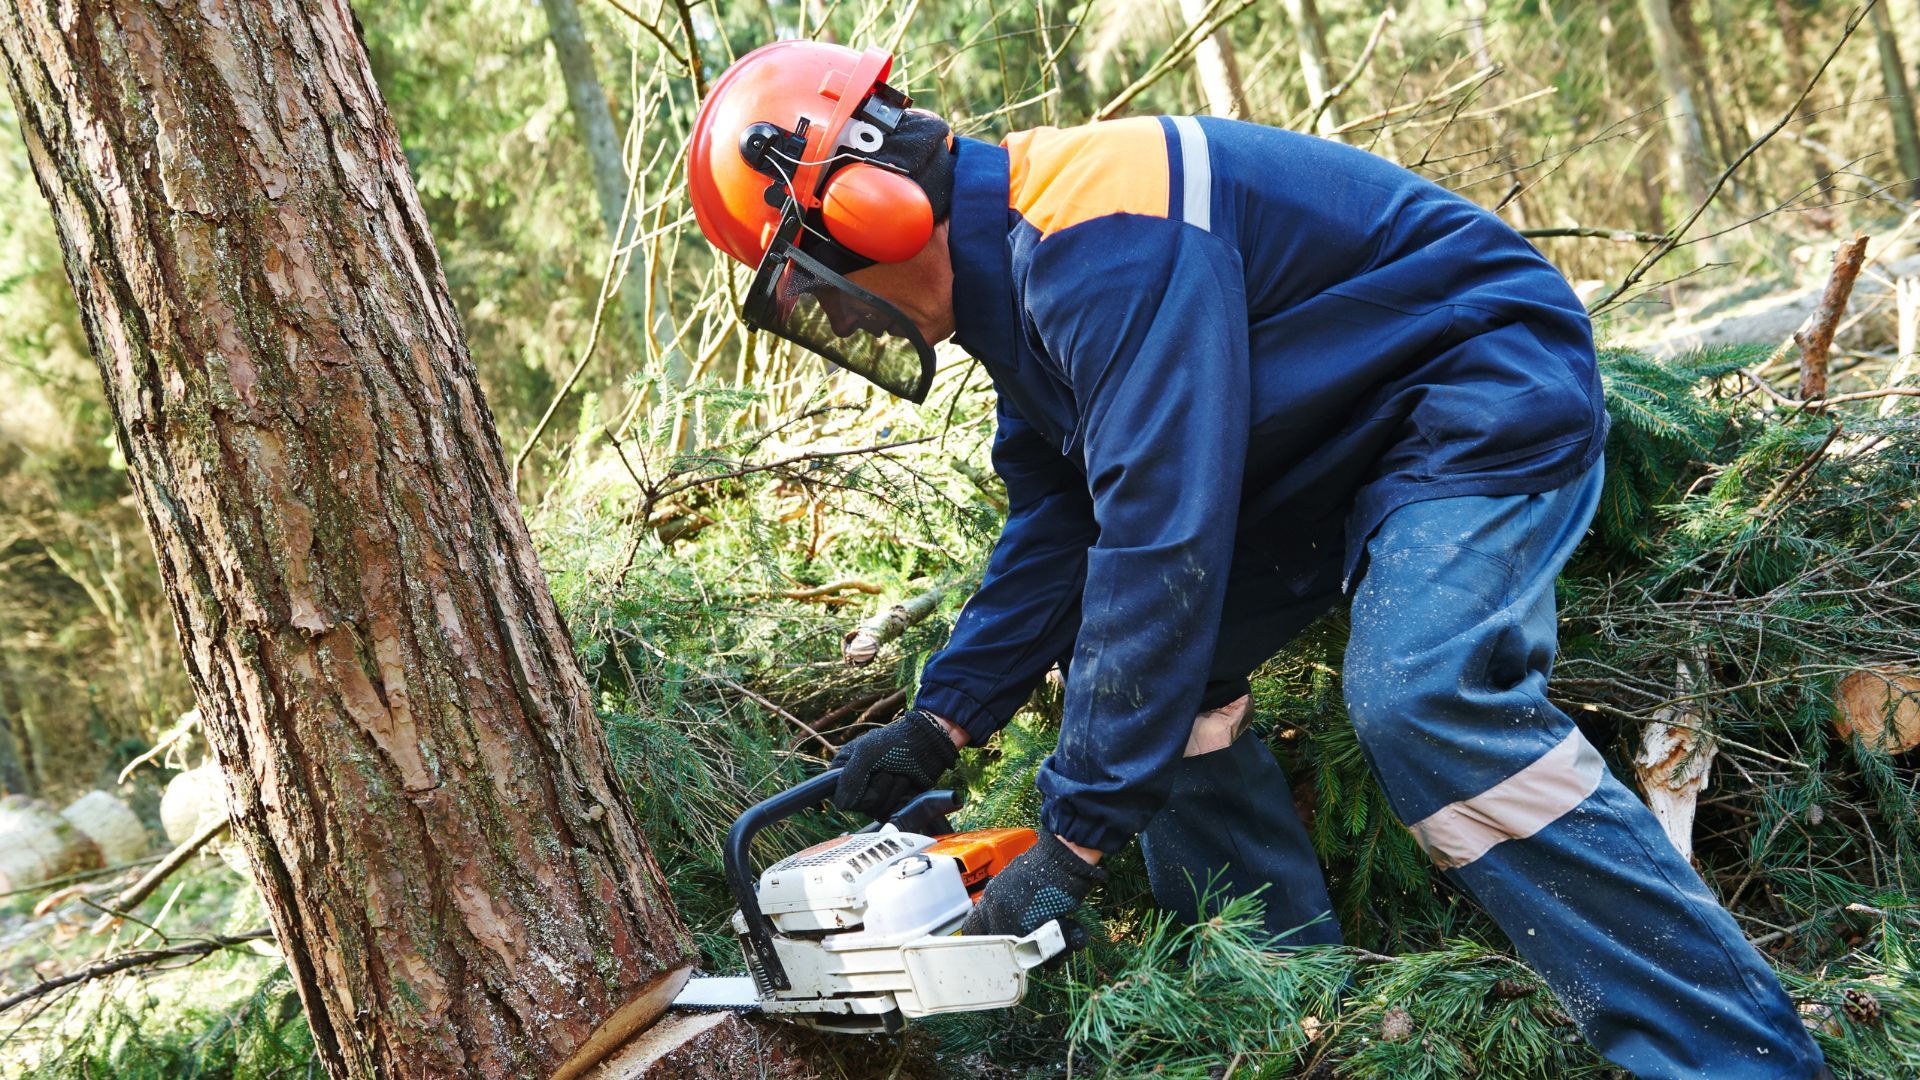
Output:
(1223, 354)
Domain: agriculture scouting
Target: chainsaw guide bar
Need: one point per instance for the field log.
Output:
(724, 993)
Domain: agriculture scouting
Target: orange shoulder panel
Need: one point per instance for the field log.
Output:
(1062, 177)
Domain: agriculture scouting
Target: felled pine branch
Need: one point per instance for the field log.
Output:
(863, 643)
(833, 593)
(1815, 336)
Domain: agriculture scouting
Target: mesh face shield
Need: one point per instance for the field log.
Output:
(797, 297)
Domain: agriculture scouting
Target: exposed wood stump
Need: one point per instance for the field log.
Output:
(1868, 699)
(742, 1046)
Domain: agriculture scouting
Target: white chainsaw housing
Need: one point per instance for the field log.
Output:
(867, 929)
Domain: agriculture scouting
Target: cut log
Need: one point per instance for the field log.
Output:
(863, 643)
(1881, 706)
(110, 824)
(39, 845)
(192, 799)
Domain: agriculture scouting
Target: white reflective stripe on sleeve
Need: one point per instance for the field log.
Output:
(1196, 166)
(1515, 808)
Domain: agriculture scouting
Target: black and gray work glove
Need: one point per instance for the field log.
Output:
(1046, 882)
(883, 770)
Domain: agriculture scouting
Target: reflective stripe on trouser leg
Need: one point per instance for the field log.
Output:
(1515, 808)
(1446, 679)
(1651, 968)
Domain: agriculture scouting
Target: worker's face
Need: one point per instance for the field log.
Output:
(921, 287)
(847, 317)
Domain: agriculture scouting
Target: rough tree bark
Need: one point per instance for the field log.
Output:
(413, 761)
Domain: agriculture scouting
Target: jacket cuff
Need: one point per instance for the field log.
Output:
(959, 708)
(1073, 824)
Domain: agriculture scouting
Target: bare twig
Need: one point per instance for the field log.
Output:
(1618, 236)
(1815, 336)
(885, 706)
(797, 459)
(696, 65)
(1176, 54)
(863, 643)
(758, 699)
(1359, 66)
(651, 29)
(1764, 940)
(125, 961)
(1445, 93)
(830, 593)
(131, 896)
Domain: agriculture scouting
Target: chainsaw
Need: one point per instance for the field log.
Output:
(861, 933)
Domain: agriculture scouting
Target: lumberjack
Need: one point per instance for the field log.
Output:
(1244, 374)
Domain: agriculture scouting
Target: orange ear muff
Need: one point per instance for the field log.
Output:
(879, 214)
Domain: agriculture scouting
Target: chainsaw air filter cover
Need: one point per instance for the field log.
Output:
(828, 886)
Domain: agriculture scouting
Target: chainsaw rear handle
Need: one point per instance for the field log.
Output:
(929, 809)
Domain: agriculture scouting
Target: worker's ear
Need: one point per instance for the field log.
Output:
(877, 213)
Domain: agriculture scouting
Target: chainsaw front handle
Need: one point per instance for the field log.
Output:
(928, 811)
(767, 969)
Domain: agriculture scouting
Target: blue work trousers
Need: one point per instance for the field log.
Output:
(1446, 683)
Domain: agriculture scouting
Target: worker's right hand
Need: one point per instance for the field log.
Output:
(883, 770)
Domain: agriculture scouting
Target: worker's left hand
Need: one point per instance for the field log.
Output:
(1048, 881)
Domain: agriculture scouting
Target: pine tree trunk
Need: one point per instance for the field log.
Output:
(413, 762)
(588, 100)
(1700, 66)
(1219, 69)
(1686, 143)
(1893, 75)
(1316, 66)
(19, 735)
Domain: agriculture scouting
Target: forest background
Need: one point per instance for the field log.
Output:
(715, 511)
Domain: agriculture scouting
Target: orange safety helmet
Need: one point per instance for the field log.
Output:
(768, 132)
(785, 174)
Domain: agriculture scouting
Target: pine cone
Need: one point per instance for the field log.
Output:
(1396, 1025)
(1508, 989)
(1862, 1007)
